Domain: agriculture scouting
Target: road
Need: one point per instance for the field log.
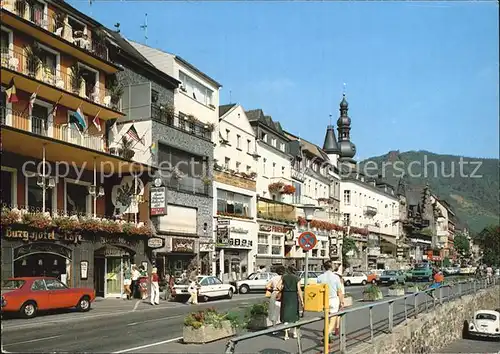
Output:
(159, 329)
(471, 346)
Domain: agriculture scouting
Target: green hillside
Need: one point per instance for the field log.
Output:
(473, 193)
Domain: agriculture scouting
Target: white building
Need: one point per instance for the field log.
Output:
(234, 190)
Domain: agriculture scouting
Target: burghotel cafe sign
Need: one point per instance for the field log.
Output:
(33, 236)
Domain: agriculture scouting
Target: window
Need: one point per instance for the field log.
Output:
(347, 197)
(196, 90)
(34, 195)
(347, 219)
(238, 142)
(276, 246)
(273, 142)
(238, 164)
(77, 199)
(249, 169)
(249, 146)
(282, 147)
(38, 285)
(227, 162)
(274, 169)
(233, 203)
(264, 160)
(262, 244)
(263, 136)
(54, 284)
(296, 195)
(90, 81)
(227, 134)
(282, 170)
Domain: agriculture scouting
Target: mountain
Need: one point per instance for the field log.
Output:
(470, 185)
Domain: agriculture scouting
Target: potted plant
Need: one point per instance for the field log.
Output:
(412, 288)
(276, 187)
(33, 54)
(207, 326)
(59, 22)
(372, 293)
(76, 78)
(348, 300)
(125, 149)
(288, 189)
(258, 315)
(210, 127)
(115, 90)
(396, 290)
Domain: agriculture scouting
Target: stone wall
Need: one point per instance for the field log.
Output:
(434, 330)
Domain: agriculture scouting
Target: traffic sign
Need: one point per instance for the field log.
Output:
(307, 240)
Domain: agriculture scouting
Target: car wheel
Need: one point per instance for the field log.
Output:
(465, 330)
(230, 294)
(244, 289)
(28, 310)
(205, 298)
(83, 304)
(363, 282)
(374, 281)
(347, 283)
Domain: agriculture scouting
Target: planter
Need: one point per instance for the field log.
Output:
(373, 296)
(347, 301)
(397, 292)
(259, 322)
(413, 289)
(206, 334)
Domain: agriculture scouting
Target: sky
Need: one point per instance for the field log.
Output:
(418, 75)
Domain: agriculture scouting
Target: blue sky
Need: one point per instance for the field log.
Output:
(419, 75)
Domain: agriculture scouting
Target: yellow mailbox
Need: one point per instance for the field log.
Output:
(316, 297)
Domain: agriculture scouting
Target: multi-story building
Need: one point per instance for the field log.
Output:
(276, 216)
(58, 93)
(445, 230)
(167, 135)
(234, 190)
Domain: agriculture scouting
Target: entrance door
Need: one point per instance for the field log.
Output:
(99, 273)
(39, 119)
(113, 276)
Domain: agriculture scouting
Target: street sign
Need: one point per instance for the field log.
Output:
(307, 240)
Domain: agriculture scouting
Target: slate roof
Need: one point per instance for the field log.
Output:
(310, 147)
(223, 109)
(257, 115)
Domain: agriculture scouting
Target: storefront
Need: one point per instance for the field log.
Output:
(273, 245)
(79, 260)
(182, 254)
(233, 258)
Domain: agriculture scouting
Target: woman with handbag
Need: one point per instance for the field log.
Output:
(272, 292)
(291, 296)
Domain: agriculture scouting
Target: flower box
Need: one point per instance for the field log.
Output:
(397, 292)
(412, 289)
(372, 293)
(207, 333)
(347, 301)
(258, 322)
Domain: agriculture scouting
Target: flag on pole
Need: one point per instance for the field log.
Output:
(114, 128)
(54, 109)
(31, 103)
(78, 120)
(11, 92)
(97, 121)
(132, 133)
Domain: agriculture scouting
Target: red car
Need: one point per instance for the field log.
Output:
(29, 295)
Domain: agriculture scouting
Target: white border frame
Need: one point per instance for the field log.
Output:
(8, 113)
(97, 81)
(30, 174)
(50, 118)
(88, 198)
(13, 188)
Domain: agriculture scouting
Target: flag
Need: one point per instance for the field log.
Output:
(114, 128)
(11, 92)
(97, 121)
(132, 133)
(78, 120)
(54, 109)
(31, 103)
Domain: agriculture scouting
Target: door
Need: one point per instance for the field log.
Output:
(40, 294)
(217, 287)
(206, 287)
(99, 273)
(39, 119)
(113, 276)
(59, 294)
(262, 280)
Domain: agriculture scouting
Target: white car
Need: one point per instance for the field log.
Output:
(255, 281)
(312, 277)
(486, 324)
(210, 287)
(356, 278)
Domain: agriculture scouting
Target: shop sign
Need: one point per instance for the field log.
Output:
(236, 243)
(183, 245)
(155, 242)
(223, 231)
(274, 228)
(118, 241)
(158, 200)
(289, 238)
(34, 236)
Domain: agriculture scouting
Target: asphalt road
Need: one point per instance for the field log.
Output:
(159, 329)
(471, 346)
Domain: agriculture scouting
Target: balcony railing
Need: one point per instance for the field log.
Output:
(271, 210)
(42, 126)
(185, 124)
(369, 210)
(188, 184)
(58, 25)
(33, 67)
(299, 175)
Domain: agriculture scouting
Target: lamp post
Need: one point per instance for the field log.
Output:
(309, 210)
(94, 191)
(43, 181)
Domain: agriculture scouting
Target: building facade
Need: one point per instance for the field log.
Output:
(59, 180)
(235, 193)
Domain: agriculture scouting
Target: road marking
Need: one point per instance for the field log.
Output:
(136, 305)
(155, 320)
(148, 345)
(31, 341)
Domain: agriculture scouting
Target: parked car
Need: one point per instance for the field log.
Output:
(392, 277)
(422, 271)
(372, 277)
(451, 270)
(355, 278)
(210, 287)
(312, 277)
(254, 282)
(29, 295)
(484, 324)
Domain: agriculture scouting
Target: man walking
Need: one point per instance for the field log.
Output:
(336, 297)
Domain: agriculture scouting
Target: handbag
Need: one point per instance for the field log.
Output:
(279, 290)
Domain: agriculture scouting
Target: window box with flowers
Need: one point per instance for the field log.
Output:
(320, 225)
(359, 231)
(209, 325)
(288, 189)
(276, 187)
(233, 215)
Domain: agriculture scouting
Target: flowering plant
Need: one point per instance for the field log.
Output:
(111, 227)
(10, 216)
(41, 221)
(233, 215)
(90, 224)
(276, 187)
(288, 189)
(359, 231)
(67, 224)
(321, 225)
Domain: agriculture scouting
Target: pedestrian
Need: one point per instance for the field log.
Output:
(193, 291)
(155, 287)
(273, 289)
(143, 282)
(336, 295)
(135, 280)
(291, 297)
(127, 280)
(336, 319)
(489, 274)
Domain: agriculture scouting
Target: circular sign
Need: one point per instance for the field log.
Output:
(157, 182)
(307, 240)
(155, 242)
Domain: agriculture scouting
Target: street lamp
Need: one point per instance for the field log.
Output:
(309, 210)
(96, 193)
(45, 183)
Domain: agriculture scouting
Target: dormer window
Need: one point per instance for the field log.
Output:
(263, 136)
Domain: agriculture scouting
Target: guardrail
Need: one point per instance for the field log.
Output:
(455, 291)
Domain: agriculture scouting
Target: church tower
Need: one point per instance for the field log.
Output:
(330, 146)
(347, 148)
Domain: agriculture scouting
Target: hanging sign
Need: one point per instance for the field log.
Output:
(155, 242)
(158, 200)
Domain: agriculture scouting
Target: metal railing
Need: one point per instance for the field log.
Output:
(188, 184)
(42, 126)
(411, 304)
(182, 123)
(78, 34)
(34, 67)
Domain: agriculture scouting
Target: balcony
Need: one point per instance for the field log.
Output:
(186, 124)
(234, 178)
(41, 126)
(299, 175)
(190, 185)
(272, 210)
(35, 74)
(59, 31)
(374, 251)
(369, 210)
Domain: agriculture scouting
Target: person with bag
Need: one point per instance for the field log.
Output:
(272, 292)
(290, 296)
(336, 295)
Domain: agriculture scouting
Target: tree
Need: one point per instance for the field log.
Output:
(462, 245)
(488, 241)
(348, 246)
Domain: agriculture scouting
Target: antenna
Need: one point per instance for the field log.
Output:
(343, 90)
(230, 96)
(145, 28)
(330, 119)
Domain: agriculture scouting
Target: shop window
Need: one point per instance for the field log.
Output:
(262, 244)
(233, 203)
(34, 195)
(277, 245)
